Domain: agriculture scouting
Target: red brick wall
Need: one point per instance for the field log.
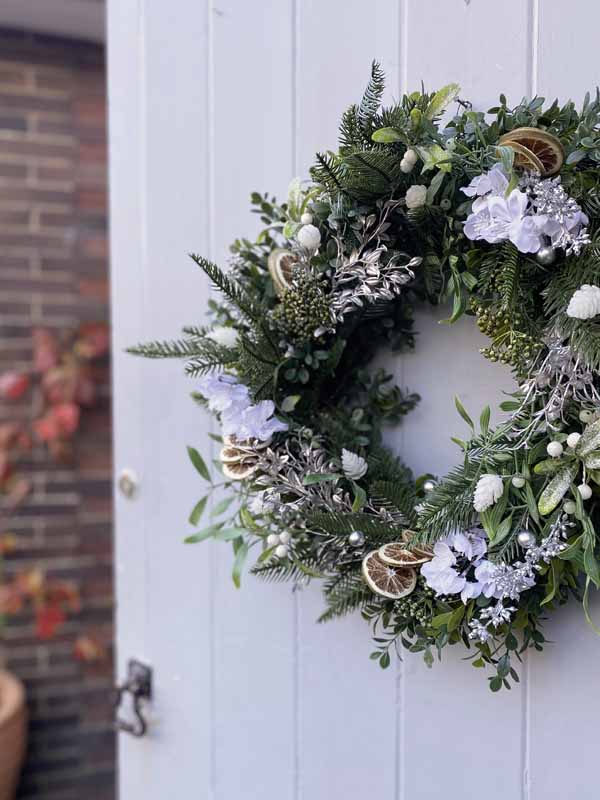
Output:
(53, 272)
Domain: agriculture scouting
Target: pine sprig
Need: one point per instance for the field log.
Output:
(371, 99)
(232, 290)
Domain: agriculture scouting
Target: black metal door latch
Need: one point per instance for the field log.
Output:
(139, 685)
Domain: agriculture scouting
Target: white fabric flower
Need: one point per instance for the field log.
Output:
(309, 237)
(585, 302)
(416, 196)
(489, 489)
(227, 337)
(493, 182)
(451, 570)
(354, 466)
(496, 219)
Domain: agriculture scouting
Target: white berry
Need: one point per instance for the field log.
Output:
(554, 449)
(281, 550)
(285, 537)
(573, 439)
(411, 156)
(518, 481)
(272, 539)
(570, 507)
(406, 166)
(306, 218)
(309, 237)
(585, 415)
(585, 491)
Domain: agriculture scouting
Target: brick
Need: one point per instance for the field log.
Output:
(54, 270)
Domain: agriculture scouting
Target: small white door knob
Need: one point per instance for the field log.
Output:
(127, 483)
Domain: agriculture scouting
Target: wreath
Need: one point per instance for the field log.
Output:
(498, 213)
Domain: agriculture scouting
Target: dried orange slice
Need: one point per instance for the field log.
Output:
(281, 267)
(524, 158)
(385, 580)
(246, 444)
(397, 554)
(546, 148)
(240, 471)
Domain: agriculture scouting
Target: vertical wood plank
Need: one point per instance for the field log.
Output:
(255, 630)
(124, 74)
(174, 201)
(347, 705)
(447, 714)
(564, 705)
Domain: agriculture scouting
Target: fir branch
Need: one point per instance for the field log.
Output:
(328, 171)
(179, 348)
(344, 593)
(232, 290)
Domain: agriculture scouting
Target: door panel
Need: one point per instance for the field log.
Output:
(209, 101)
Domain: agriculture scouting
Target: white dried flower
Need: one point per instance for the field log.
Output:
(489, 489)
(410, 156)
(309, 237)
(585, 302)
(226, 337)
(416, 196)
(354, 466)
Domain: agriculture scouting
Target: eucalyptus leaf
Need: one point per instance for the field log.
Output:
(198, 510)
(198, 463)
(386, 136)
(441, 100)
(238, 563)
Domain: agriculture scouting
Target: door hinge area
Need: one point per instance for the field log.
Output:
(138, 684)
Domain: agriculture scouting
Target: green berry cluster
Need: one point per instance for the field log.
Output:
(303, 309)
(416, 606)
(510, 345)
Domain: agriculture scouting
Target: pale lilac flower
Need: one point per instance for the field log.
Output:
(223, 392)
(252, 422)
(492, 182)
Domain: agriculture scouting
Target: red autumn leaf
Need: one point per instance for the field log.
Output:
(87, 648)
(8, 543)
(46, 428)
(93, 340)
(60, 383)
(13, 385)
(85, 391)
(45, 350)
(48, 618)
(9, 434)
(16, 491)
(67, 417)
(11, 599)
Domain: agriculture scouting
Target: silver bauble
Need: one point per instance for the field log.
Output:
(429, 486)
(356, 539)
(545, 256)
(526, 539)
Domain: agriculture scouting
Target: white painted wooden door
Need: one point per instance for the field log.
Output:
(210, 99)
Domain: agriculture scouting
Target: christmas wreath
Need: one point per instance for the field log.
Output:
(497, 212)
